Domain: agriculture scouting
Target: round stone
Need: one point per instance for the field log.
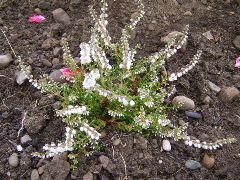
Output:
(166, 145)
(13, 160)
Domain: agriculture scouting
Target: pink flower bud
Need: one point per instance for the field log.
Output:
(237, 62)
(68, 73)
(36, 19)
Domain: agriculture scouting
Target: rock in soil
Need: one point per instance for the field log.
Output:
(188, 13)
(214, 87)
(41, 170)
(49, 43)
(44, 5)
(57, 76)
(13, 160)
(35, 175)
(61, 16)
(236, 42)
(171, 35)
(185, 103)
(193, 115)
(104, 160)
(21, 76)
(46, 63)
(208, 161)
(88, 176)
(34, 123)
(142, 142)
(166, 145)
(116, 142)
(25, 139)
(192, 165)
(57, 51)
(56, 169)
(206, 100)
(5, 60)
(229, 94)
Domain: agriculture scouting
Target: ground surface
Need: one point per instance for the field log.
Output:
(142, 160)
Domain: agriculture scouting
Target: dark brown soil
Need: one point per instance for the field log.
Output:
(219, 119)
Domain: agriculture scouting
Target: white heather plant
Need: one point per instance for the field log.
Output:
(113, 87)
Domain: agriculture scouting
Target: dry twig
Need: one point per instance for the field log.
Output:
(23, 119)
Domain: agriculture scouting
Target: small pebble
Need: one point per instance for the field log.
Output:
(41, 170)
(208, 161)
(5, 60)
(104, 160)
(206, 100)
(5, 115)
(166, 145)
(192, 165)
(229, 94)
(188, 13)
(46, 63)
(193, 115)
(13, 160)
(35, 175)
(214, 87)
(25, 139)
(185, 103)
(88, 176)
(116, 142)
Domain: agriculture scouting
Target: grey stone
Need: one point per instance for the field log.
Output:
(166, 145)
(25, 139)
(236, 42)
(55, 61)
(22, 76)
(206, 100)
(57, 51)
(171, 35)
(188, 13)
(193, 115)
(41, 170)
(214, 87)
(58, 169)
(62, 156)
(192, 165)
(116, 142)
(46, 63)
(34, 123)
(49, 43)
(57, 76)
(35, 175)
(13, 160)
(88, 176)
(5, 115)
(142, 142)
(185, 103)
(38, 11)
(61, 16)
(104, 160)
(5, 60)
(229, 94)
(44, 5)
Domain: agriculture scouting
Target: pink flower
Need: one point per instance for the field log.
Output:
(237, 62)
(36, 19)
(68, 73)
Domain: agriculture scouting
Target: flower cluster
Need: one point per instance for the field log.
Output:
(53, 149)
(175, 76)
(73, 110)
(90, 79)
(91, 132)
(114, 86)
